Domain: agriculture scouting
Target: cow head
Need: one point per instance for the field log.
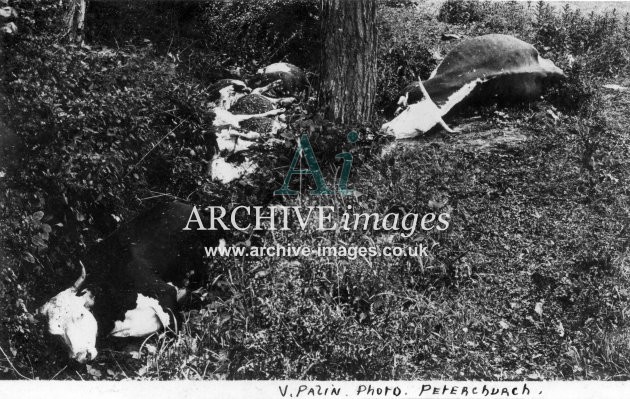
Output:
(69, 316)
(231, 93)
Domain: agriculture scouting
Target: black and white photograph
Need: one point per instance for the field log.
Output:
(315, 198)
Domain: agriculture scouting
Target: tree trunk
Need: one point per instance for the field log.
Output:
(74, 20)
(348, 63)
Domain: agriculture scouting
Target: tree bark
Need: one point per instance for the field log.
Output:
(348, 62)
(74, 20)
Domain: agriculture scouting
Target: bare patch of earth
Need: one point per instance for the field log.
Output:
(473, 136)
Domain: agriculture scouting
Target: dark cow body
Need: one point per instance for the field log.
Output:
(506, 89)
(519, 77)
(126, 287)
(142, 257)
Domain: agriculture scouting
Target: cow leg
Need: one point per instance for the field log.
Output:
(273, 112)
(281, 101)
(435, 107)
(226, 118)
(270, 86)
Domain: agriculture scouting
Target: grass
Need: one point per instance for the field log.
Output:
(529, 282)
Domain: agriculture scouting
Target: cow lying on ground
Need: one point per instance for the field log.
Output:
(483, 68)
(293, 81)
(247, 118)
(227, 92)
(127, 290)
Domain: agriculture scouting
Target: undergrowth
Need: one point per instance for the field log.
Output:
(529, 281)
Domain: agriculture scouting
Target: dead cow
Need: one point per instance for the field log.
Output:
(293, 79)
(127, 290)
(486, 67)
(225, 93)
(246, 118)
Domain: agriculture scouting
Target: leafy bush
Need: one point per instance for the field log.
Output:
(404, 53)
(578, 89)
(165, 23)
(264, 31)
(260, 31)
(600, 40)
(461, 11)
(38, 17)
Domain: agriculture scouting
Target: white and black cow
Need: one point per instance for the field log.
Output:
(483, 68)
(127, 290)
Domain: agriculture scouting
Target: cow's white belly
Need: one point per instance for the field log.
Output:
(147, 317)
(420, 117)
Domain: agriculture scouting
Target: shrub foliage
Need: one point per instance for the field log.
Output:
(101, 130)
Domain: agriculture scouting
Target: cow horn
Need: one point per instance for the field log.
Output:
(426, 95)
(81, 278)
